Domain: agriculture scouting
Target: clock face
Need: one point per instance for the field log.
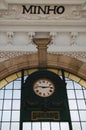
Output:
(43, 87)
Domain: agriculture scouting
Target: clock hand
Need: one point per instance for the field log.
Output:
(45, 87)
(38, 87)
(42, 87)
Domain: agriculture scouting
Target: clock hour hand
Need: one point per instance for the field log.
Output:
(42, 87)
(45, 87)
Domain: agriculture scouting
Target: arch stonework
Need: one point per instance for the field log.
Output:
(69, 64)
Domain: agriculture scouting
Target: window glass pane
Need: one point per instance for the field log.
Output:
(45, 126)
(81, 104)
(1, 102)
(71, 94)
(7, 104)
(83, 115)
(17, 84)
(77, 86)
(70, 85)
(15, 126)
(6, 115)
(5, 126)
(83, 125)
(74, 115)
(72, 104)
(9, 86)
(19, 79)
(64, 126)
(26, 126)
(85, 93)
(16, 104)
(79, 94)
(55, 126)
(0, 115)
(76, 126)
(16, 94)
(15, 115)
(8, 94)
(1, 94)
(36, 125)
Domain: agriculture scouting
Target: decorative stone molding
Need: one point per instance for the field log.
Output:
(3, 5)
(5, 55)
(62, 41)
(83, 7)
(73, 39)
(72, 12)
(69, 64)
(46, 2)
(10, 37)
(52, 35)
(30, 37)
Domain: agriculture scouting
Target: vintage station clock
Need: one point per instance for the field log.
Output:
(43, 87)
(44, 98)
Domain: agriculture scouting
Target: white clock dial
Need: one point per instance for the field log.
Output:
(43, 87)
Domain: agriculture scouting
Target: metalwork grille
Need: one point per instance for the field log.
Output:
(10, 97)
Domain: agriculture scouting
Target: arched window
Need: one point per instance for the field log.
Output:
(10, 99)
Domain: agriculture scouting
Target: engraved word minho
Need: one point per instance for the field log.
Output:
(47, 9)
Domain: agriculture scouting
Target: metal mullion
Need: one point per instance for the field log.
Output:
(63, 76)
(68, 76)
(59, 125)
(50, 126)
(2, 103)
(85, 105)
(22, 82)
(17, 75)
(77, 106)
(11, 105)
(31, 125)
(2, 108)
(84, 96)
(69, 122)
(40, 125)
(0, 125)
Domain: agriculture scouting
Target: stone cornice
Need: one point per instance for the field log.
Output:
(43, 26)
(64, 23)
(4, 3)
(46, 1)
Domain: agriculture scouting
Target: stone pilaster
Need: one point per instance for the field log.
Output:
(42, 50)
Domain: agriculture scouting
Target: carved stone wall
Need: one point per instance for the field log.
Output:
(68, 32)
